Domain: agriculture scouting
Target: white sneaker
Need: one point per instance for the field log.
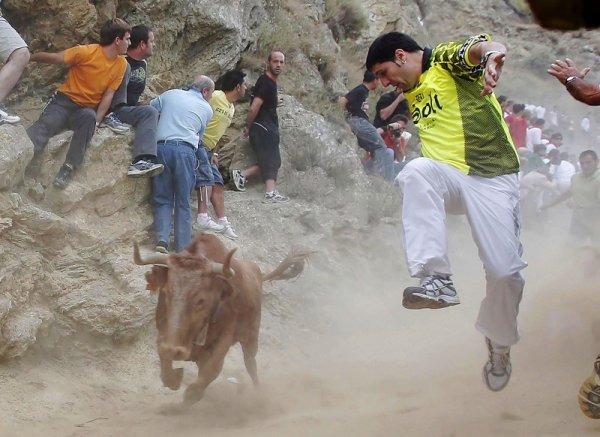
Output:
(276, 197)
(6, 117)
(228, 231)
(239, 180)
(144, 168)
(433, 292)
(497, 371)
(208, 224)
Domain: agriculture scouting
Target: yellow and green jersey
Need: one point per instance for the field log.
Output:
(456, 124)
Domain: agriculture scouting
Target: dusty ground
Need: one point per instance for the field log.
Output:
(370, 368)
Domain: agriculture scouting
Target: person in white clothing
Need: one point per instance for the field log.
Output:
(556, 140)
(534, 133)
(561, 170)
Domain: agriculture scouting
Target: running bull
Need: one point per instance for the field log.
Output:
(207, 302)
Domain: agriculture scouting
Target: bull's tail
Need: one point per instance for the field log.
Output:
(290, 267)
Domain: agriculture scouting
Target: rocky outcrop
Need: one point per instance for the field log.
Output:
(65, 258)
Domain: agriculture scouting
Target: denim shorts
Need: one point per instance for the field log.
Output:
(207, 174)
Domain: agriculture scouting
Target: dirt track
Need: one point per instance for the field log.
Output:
(378, 370)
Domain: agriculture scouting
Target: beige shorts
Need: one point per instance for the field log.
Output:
(10, 40)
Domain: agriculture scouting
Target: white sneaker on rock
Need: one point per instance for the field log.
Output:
(7, 117)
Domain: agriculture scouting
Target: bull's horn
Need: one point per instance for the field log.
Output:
(225, 268)
(156, 258)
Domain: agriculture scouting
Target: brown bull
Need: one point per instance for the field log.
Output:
(207, 302)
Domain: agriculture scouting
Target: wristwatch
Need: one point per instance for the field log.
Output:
(570, 79)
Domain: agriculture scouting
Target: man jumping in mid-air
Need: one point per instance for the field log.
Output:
(469, 166)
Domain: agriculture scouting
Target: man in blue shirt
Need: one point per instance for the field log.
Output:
(183, 118)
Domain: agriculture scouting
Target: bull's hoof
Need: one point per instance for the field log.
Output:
(173, 409)
(172, 379)
(192, 395)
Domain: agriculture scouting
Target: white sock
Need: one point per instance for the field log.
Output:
(499, 348)
(223, 220)
(270, 193)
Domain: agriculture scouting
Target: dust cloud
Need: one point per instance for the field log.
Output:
(350, 361)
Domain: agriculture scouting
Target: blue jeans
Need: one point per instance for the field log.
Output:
(171, 191)
(370, 140)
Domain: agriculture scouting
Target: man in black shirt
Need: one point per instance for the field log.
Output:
(355, 107)
(388, 105)
(126, 106)
(262, 126)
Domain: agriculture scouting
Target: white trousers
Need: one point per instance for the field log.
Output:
(429, 190)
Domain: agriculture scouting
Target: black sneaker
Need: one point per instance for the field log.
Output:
(433, 292)
(64, 176)
(162, 247)
(144, 168)
(112, 122)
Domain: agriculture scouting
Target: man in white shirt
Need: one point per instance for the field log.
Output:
(534, 133)
(561, 170)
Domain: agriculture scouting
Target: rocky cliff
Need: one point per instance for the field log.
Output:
(65, 256)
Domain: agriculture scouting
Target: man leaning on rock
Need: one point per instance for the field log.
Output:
(80, 103)
(126, 106)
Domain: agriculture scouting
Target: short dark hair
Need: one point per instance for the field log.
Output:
(114, 28)
(556, 136)
(384, 48)
(369, 76)
(139, 33)
(399, 117)
(591, 153)
(230, 80)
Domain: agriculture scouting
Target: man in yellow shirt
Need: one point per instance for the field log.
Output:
(469, 166)
(80, 103)
(209, 180)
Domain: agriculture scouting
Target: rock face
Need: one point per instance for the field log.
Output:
(65, 256)
(66, 268)
(192, 37)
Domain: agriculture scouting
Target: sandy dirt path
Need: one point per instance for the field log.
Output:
(377, 370)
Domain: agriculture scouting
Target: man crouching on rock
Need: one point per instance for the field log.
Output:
(80, 103)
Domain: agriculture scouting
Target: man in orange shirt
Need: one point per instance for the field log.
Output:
(81, 102)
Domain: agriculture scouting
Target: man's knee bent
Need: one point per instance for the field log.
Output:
(147, 112)
(86, 120)
(415, 170)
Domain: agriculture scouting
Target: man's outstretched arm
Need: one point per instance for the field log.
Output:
(574, 80)
(48, 58)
